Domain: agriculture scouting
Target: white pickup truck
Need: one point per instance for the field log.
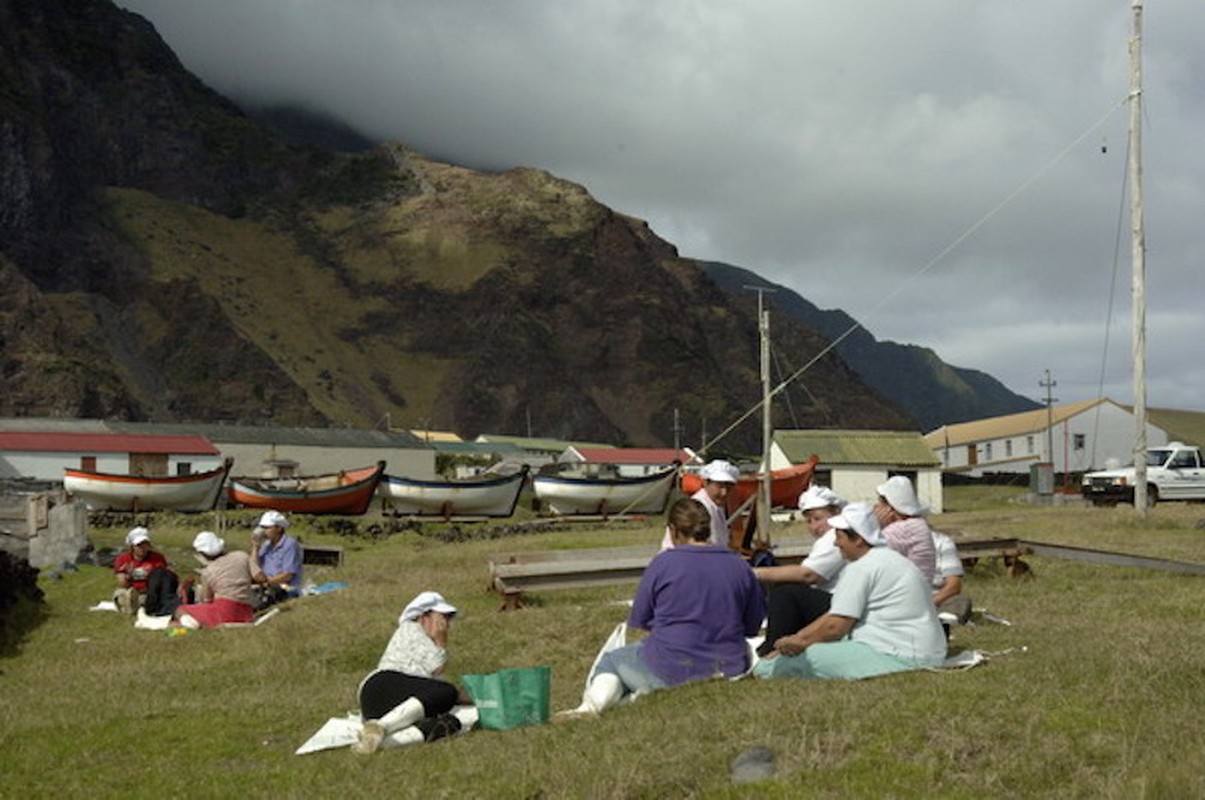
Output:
(1174, 471)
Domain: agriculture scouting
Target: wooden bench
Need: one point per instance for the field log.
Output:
(512, 574)
(322, 555)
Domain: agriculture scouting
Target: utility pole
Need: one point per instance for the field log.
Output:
(1138, 263)
(1049, 384)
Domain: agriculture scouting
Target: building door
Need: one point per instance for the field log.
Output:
(148, 464)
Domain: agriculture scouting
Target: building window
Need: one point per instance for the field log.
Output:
(987, 451)
(1008, 448)
(183, 467)
(1028, 444)
(1077, 441)
(87, 463)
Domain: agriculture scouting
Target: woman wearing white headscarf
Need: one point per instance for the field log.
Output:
(404, 689)
(225, 591)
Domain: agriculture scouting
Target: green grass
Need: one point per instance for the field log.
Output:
(1105, 700)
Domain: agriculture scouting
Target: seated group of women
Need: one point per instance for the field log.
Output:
(854, 608)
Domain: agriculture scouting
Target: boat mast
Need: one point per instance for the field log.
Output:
(762, 537)
(1138, 259)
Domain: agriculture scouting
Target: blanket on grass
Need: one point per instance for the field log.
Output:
(343, 731)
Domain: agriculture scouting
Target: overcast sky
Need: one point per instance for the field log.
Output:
(950, 172)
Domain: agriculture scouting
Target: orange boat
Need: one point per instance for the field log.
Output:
(347, 492)
(785, 485)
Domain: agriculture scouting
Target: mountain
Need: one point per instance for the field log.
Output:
(165, 257)
(914, 378)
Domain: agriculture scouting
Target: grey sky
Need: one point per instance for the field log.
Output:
(837, 148)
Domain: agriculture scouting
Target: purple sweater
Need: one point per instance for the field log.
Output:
(699, 603)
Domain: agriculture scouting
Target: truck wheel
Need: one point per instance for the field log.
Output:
(1152, 497)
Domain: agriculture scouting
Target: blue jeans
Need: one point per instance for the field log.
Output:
(625, 663)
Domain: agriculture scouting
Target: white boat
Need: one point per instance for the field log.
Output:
(566, 495)
(105, 491)
(484, 496)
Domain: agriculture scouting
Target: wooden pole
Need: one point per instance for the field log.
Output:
(1138, 259)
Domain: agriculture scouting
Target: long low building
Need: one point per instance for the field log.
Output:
(44, 455)
(257, 451)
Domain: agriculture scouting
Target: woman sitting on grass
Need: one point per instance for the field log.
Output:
(225, 591)
(698, 601)
(799, 594)
(403, 690)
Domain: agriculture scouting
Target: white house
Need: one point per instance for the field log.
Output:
(1073, 438)
(44, 455)
(626, 462)
(853, 463)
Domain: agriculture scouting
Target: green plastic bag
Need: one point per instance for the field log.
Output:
(511, 698)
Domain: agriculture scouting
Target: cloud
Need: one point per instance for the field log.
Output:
(965, 160)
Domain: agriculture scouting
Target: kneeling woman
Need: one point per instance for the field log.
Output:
(698, 601)
(403, 690)
(225, 591)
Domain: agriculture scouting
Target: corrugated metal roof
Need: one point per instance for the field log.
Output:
(232, 434)
(540, 445)
(61, 442)
(478, 448)
(254, 434)
(836, 447)
(633, 455)
(1022, 424)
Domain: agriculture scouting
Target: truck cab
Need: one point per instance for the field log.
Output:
(1174, 471)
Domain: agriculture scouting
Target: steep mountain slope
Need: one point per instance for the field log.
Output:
(170, 259)
(914, 378)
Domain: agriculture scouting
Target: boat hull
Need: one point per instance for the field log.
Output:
(491, 497)
(103, 491)
(349, 492)
(785, 485)
(569, 495)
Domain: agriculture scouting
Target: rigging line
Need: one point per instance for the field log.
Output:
(1100, 386)
(1008, 199)
(786, 396)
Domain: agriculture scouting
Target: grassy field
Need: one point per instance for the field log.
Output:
(1097, 690)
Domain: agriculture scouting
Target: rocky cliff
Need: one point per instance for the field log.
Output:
(164, 257)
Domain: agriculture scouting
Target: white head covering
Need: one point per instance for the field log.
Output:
(900, 495)
(819, 497)
(719, 471)
(860, 519)
(273, 519)
(208, 544)
(424, 602)
(137, 536)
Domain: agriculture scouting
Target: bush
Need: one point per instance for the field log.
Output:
(20, 600)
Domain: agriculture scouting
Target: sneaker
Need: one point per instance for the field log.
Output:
(126, 601)
(372, 733)
(439, 726)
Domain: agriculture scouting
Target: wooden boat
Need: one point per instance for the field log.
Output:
(566, 495)
(346, 492)
(785, 485)
(489, 495)
(105, 491)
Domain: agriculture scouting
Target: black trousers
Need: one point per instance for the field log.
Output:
(386, 690)
(161, 599)
(790, 607)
